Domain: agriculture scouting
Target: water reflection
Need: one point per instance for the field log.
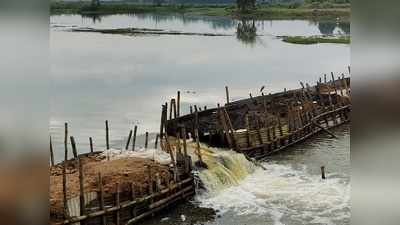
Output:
(223, 24)
(246, 32)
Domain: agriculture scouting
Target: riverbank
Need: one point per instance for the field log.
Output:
(261, 12)
(316, 40)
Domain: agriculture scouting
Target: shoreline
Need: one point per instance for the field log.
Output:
(261, 12)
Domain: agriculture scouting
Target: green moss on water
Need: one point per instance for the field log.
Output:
(315, 40)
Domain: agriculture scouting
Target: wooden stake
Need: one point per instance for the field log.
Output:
(74, 151)
(65, 172)
(227, 94)
(101, 199)
(163, 109)
(156, 142)
(51, 153)
(129, 140)
(146, 142)
(178, 104)
(81, 190)
(91, 144)
(323, 172)
(107, 136)
(64, 184)
(174, 108)
(66, 142)
(170, 108)
(134, 138)
(191, 109)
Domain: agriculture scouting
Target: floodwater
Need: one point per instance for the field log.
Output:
(125, 79)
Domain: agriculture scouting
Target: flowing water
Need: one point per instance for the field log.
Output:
(125, 79)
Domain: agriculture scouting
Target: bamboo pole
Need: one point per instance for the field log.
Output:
(227, 94)
(74, 151)
(81, 189)
(129, 140)
(91, 144)
(156, 141)
(65, 203)
(162, 120)
(146, 142)
(170, 108)
(101, 199)
(107, 136)
(178, 103)
(51, 153)
(174, 108)
(134, 138)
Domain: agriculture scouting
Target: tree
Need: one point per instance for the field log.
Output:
(95, 3)
(245, 5)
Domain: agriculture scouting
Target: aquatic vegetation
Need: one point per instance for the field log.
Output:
(317, 40)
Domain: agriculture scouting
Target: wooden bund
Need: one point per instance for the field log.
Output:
(259, 126)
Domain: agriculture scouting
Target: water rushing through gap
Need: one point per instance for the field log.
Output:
(288, 190)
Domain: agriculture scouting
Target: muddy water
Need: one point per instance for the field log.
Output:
(125, 79)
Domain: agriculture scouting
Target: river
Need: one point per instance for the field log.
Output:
(125, 79)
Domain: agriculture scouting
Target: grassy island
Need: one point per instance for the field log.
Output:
(317, 39)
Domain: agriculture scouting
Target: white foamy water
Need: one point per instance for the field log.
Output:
(285, 196)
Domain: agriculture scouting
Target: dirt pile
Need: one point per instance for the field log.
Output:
(123, 171)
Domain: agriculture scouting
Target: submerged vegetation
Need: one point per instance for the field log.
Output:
(322, 8)
(317, 39)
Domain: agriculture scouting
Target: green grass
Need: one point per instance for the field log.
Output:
(261, 12)
(315, 40)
